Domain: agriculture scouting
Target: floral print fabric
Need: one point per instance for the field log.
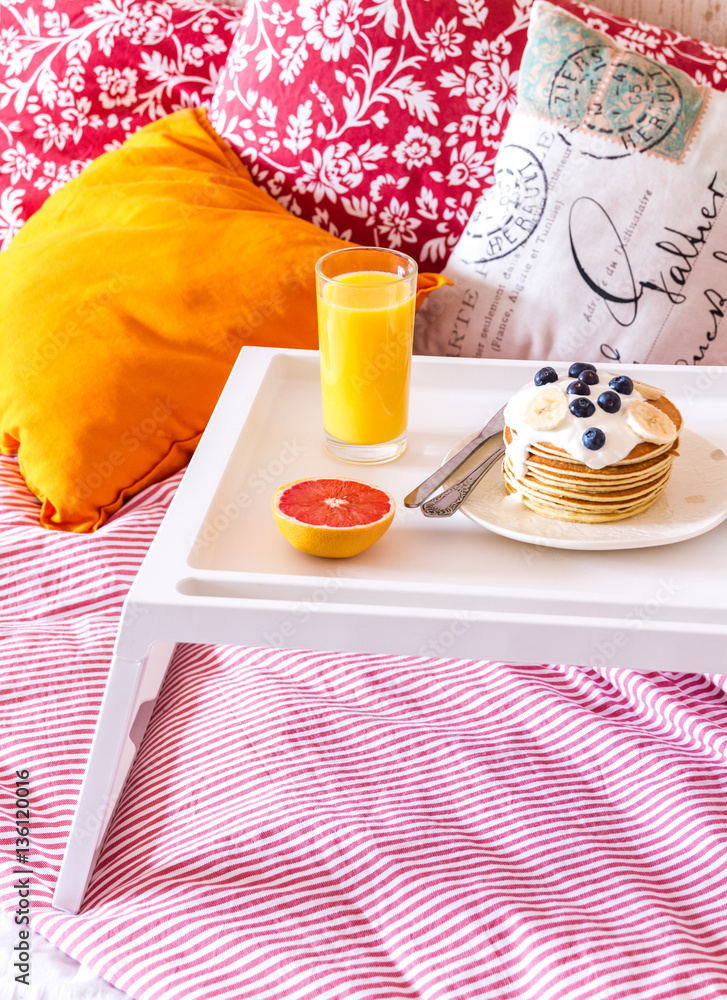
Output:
(376, 119)
(78, 76)
(705, 63)
(379, 120)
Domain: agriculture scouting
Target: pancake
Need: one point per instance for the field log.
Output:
(600, 453)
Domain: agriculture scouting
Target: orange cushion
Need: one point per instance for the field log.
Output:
(125, 300)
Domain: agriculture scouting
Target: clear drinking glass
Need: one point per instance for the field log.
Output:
(366, 298)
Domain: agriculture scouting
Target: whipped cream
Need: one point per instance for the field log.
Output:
(568, 435)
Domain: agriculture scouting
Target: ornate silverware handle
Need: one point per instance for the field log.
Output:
(492, 429)
(453, 497)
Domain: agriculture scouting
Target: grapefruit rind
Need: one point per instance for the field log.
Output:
(341, 540)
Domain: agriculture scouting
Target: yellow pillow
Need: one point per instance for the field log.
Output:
(124, 302)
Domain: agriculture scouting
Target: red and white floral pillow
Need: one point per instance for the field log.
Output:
(379, 120)
(78, 76)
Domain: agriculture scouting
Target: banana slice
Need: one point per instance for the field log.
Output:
(547, 409)
(650, 423)
(648, 391)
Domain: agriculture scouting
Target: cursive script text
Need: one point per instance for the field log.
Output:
(682, 250)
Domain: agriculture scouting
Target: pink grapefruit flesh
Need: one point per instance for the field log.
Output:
(335, 518)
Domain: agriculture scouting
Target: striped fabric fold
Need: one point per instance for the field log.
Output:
(306, 825)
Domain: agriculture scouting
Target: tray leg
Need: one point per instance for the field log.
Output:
(131, 690)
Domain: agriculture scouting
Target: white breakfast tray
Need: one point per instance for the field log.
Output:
(218, 570)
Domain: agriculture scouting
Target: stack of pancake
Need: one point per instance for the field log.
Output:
(559, 485)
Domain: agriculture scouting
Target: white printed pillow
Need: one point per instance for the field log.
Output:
(604, 235)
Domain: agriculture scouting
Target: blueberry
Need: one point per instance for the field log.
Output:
(622, 384)
(545, 375)
(593, 438)
(581, 407)
(579, 389)
(575, 370)
(610, 402)
(588, 376)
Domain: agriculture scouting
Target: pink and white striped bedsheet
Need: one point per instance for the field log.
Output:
(308, 825)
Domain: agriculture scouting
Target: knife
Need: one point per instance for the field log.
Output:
(494, 427)
(451, 499)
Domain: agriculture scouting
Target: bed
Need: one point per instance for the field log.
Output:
(300, 823)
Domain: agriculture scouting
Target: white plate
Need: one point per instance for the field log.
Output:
(694, 501)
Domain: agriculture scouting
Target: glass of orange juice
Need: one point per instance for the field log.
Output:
(366, 299)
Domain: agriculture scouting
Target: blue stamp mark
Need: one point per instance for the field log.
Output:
(509, 212)
(607, 102)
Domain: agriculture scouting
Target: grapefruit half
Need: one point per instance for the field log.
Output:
(336, 518)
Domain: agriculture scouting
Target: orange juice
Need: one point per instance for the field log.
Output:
(365, 323)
